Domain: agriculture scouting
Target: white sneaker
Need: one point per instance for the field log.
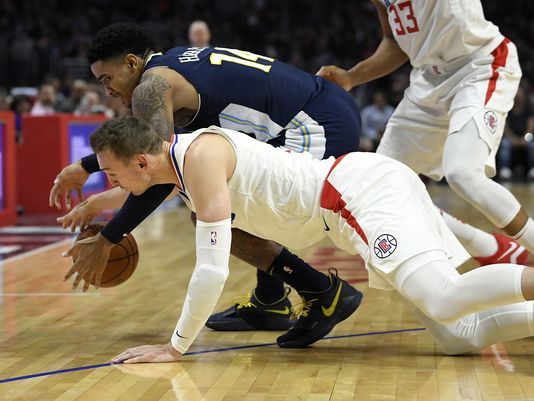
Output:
(530, 174)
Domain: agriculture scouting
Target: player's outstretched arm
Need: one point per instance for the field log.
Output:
(386, 59)
(84, 212)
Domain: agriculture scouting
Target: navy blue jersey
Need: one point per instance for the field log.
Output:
(253, 94)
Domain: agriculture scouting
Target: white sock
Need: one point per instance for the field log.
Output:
(477, 242)
(525, 236)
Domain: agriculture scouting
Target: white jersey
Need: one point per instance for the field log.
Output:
(440, 34)
(267, 201)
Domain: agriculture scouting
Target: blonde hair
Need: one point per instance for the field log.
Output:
(126, 137)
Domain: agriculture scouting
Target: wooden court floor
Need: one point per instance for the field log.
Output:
(55, 344)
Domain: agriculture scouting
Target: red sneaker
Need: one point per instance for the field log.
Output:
(509, 251)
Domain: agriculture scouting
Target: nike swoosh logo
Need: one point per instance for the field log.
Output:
(326, 228)
(330, 310)
(284, 311)
(513, 247)
(178, 334)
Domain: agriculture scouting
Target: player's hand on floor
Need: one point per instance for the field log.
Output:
(336, 75)
(90, 258)
(148, 353)
(81, 215)
(71, 178)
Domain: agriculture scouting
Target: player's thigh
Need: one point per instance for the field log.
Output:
(388, 216)
(416, 136)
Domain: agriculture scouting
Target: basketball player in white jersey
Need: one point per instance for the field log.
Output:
(366, 203)
(451, 119)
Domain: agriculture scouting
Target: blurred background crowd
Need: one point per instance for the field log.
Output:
(43, 46)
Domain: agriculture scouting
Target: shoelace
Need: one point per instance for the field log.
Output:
(302, 308)
(243, 301)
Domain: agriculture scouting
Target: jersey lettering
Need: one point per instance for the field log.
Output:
(240, 57)
(191, 54)
(404, 11)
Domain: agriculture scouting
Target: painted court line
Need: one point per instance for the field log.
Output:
(101, 365)
(50, 294)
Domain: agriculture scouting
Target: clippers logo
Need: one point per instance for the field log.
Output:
(213, 238)
(385, 245)
(490, 120)
(437, 70)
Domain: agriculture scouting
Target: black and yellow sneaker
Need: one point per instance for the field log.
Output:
(320, 312)
(252, 314)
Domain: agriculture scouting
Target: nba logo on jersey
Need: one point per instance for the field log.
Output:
(385, 245)
(490, 120)
(213, 238)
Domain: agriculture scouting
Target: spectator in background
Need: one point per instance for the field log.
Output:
(374, 119)
(199, 34)
(91, 103)
(60, 98)
(46, 101)
(517, 137)
(116, 106)
(20, 104)
(72, 103)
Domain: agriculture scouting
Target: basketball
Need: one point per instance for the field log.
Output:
(122, 260)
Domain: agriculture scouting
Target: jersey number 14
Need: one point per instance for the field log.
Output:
(240, 57)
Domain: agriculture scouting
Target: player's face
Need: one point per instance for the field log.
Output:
(131, 176)
(119, 76)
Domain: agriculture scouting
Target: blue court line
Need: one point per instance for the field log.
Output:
(101, 365)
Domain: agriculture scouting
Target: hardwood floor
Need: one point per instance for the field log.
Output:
(56, 343)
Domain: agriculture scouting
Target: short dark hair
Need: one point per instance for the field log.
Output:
(118, 40)
(126, 137)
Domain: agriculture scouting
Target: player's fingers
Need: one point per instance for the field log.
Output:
(324, 70)
(86, 285)
(52, 195)
(76, 281)
(79, 192)
(56, 196)
(69, 251)
(137, 359)
(68, 199)
(73, 225)
(122, 357)
(69, 274)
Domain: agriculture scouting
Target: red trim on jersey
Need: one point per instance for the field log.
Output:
(500, 55)
(331, 200)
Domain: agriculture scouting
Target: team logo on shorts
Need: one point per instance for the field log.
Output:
(213, 238)
(490, 119)
(385, 245)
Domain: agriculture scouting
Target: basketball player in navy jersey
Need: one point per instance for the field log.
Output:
(191, 88)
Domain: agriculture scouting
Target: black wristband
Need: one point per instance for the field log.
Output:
(90, 163)
(134, 211)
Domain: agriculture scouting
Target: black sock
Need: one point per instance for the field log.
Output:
(269, 288)
(298, 274)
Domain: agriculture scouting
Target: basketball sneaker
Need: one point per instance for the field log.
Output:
(508, 251)
(252, 314)
(320, 312)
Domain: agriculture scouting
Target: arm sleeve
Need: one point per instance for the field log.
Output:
(213, 241)
(134, 211)
(90, 163)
